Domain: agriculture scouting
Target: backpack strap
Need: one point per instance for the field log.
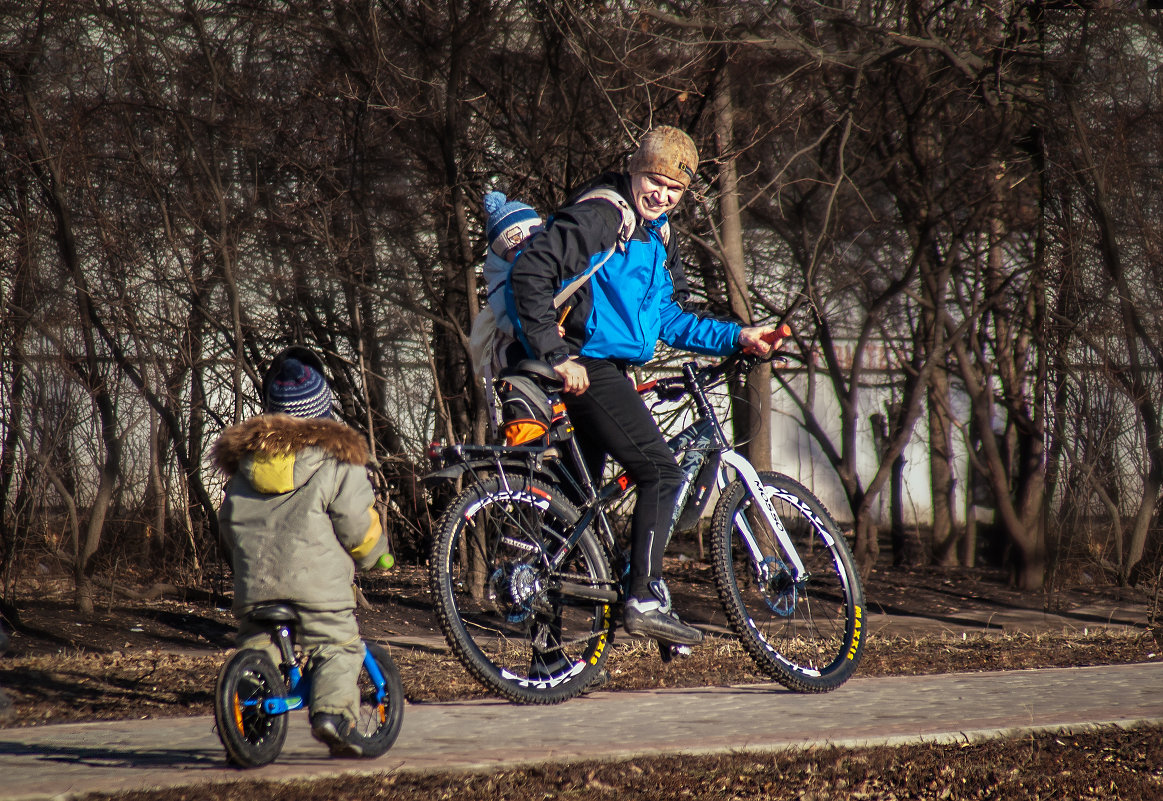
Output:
(566, 293)
(625, 231)
(629, 218)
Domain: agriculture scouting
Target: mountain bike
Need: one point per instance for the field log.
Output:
(528, 575)
(252, 696)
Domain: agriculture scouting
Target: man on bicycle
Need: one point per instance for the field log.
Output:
(297, 518)
(614, 321)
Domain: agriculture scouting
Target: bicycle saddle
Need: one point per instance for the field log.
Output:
(538, 370)
(273, 613)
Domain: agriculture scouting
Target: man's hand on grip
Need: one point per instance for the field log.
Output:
(763, 340)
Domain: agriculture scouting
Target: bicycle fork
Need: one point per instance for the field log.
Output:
(754, 485)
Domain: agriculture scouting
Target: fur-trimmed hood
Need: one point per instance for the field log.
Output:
(271, 434)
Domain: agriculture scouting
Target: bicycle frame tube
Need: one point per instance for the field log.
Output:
(754, 485)
(296, 698)
(299, 687)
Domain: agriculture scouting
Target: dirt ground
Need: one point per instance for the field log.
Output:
(156, 654)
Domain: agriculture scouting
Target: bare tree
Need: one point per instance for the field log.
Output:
(1102, 132)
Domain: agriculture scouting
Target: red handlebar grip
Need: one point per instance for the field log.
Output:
(783, 332)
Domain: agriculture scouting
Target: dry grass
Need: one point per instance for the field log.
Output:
(1084, 766)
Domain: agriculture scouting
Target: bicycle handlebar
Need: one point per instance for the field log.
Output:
(674, 388)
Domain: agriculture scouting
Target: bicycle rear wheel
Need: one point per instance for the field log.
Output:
(379, 719)
(531, 634)
(251, 737)
(806, 634)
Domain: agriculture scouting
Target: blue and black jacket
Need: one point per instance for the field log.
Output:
(633, 301)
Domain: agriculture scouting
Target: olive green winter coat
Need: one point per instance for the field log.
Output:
(299, 512)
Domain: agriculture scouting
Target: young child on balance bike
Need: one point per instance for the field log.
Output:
(298, 518)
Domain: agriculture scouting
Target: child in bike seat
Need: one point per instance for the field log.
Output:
(508, 226)
(297, 519)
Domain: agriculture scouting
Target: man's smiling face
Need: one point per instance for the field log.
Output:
(654, 194)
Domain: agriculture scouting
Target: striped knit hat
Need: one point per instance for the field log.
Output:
(298, 390)
(510, 222)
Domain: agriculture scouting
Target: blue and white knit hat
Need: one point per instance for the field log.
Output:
(298, 390)
(510, 222)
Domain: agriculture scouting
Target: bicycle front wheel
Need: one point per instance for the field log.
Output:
(380, 714)
(530, 632)
(251, 737)
(806, 633)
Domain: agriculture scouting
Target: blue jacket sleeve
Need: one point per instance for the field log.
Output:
(688, 331)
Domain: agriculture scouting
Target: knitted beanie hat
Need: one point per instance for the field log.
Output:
(510, 222)
(298, 390)
(669, 152)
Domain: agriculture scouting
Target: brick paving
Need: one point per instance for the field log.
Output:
(53, 762)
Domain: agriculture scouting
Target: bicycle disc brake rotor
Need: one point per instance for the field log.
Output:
(512, 589)
(779, 591)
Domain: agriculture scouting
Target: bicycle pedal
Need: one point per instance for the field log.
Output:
(669, 650)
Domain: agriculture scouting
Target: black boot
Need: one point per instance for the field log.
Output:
(335, 731)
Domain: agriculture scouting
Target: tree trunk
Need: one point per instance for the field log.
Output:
(155, 495)
(85, 367)
(944, 537)
(866, 542)
(751, 407)
(1019, 510)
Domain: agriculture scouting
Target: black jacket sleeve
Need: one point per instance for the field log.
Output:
(564, 249)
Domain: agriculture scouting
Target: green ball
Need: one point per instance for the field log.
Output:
(386, 562)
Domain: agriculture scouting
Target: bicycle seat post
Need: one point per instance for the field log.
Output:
(282, 637)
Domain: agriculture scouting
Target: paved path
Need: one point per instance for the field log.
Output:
(58, 761)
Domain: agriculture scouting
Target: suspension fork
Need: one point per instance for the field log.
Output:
(754, 485)
(744, 469)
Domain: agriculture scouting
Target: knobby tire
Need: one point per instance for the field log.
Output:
(808, 636)
(498, 603)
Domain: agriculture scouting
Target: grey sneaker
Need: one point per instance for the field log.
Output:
(651, 616)
(335, 732)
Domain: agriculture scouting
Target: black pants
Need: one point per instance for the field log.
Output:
(611, 419)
